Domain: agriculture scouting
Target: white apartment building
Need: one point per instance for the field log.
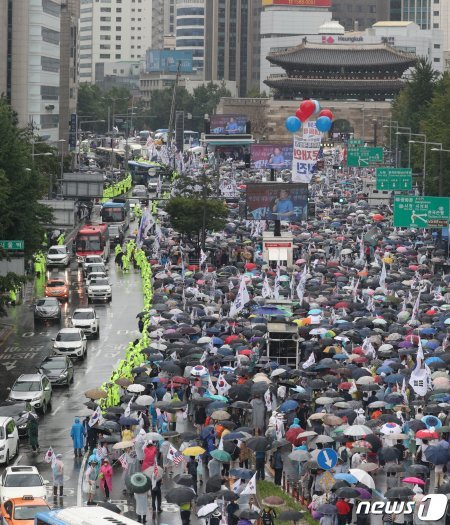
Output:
(30, 62)
(284, 26)
(112, 31)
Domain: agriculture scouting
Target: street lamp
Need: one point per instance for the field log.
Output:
(397, 127)
(76, 136)
(409, 141)
(441, 178)
(425, 142)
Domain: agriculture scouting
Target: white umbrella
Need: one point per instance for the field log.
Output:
(153, 436)
(144, 400)
(365, 380)
(204, 340)
(157, 345)
(278, 372)
(363, 477)
(123, 444)
(391, 428)
(299, 455)
(357, 431)
(136, 389)
(207, 509)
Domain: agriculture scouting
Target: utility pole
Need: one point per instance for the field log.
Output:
(172, 107)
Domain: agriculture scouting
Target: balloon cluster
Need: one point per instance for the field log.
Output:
(307, 109)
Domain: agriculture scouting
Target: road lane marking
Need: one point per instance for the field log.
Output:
(18, 459)
(57, 409)
(80, 481)
(77, 384)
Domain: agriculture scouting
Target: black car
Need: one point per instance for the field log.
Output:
(58, 368)
(47, 309)
(18, 410)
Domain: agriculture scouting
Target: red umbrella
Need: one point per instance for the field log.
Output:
(193, 267)
(378, 217)
(357, 350)
(414, 481)
(292, 434)
(180, 380)
(250, 266)
(345, 386)
(231, 338)
(246, 352)
(342, 304)
(427, 434)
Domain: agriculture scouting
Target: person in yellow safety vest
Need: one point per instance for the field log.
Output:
(61, 239)
(117, 249)
(12, 297)
(154, 207)
(126, 261)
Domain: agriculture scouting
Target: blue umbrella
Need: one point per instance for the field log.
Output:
(433, 359)
(384, 369)
(217, 341)
(349, 478)
(437, 455)
(394, 378)
(270, 310)
(206, 431)
(427, 331)
(241, 473)
(432, 421)
(288, 405)
(315, 311)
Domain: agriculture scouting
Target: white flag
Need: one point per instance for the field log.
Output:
(416, 307)
(368, 348)
(353, 388)
(383, 275)
(310, 361)
(127, 411)
(266, 290)
(250, 488)
(222, 385)
(242, 298)
(403, 391)
(268, 400)
(235, 486)
(211, 388)
(302, 284)
(203, 257)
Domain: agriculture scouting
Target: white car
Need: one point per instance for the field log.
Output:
(21, 480)
(58, 256)
(71, 342)
(87, 320)
(35, 389)
(99, 289)
(95, 275)
(9, 439)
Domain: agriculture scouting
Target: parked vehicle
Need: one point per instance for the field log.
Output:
(9, 439)
(19, 411)
(58, 368)
(35, 389)
(70, 342)
(22, 511)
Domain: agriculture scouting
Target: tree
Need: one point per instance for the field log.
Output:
(193, 216)
(21, 185)
(161, 102)
(207, 98)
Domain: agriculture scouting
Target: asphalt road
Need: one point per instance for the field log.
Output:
(27, 345)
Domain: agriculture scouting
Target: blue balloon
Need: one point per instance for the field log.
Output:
(293, 124)
(323, 124)
(318, 108)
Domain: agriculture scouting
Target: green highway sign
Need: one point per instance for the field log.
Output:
(362, 157)
(395, 179)
(421, 212)
(12, 245)
(355, 142)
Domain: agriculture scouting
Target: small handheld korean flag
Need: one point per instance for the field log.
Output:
(310, 361)
(235, 486)
(250, 488)
(203, 257)
(49, 456)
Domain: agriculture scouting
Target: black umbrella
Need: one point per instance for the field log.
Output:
(247, 514)
(180, 495)
(258, 444)
(389, 454)
(417, 470)
(184, 479)
(399, 493)
(213, 484)
(108, 506)
(227, 495)
(347, 492)
(204, 499)
(290, 515)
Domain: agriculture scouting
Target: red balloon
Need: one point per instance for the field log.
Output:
(326, 113)
(301, 115)
(307, 107)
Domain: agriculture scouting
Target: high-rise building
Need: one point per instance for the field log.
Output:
(361, 14)
(68, 86)
(190, 31)
(30, 62)
(163, 21)
(285, 25)
(232, 42)
(431, 14)
(113, 31)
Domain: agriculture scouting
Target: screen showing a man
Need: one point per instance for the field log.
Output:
(231, 126)
(277, 160)
(283, 209)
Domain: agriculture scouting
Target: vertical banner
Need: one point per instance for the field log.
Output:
(305, 155)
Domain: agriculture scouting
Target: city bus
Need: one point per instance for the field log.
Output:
(140, 171)
(116, 211)
(92, 515)
(190, 138)
(92, 239)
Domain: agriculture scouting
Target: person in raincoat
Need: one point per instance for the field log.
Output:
(77, 434)
(150, 452)
(33, 431)
(105, 475)
(58, 476)
(258, 413)
(139, 445)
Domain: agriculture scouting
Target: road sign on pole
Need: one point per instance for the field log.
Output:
(13, 245)
(327, 458)
(361, 157)
(421, 212)
(394, 179)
